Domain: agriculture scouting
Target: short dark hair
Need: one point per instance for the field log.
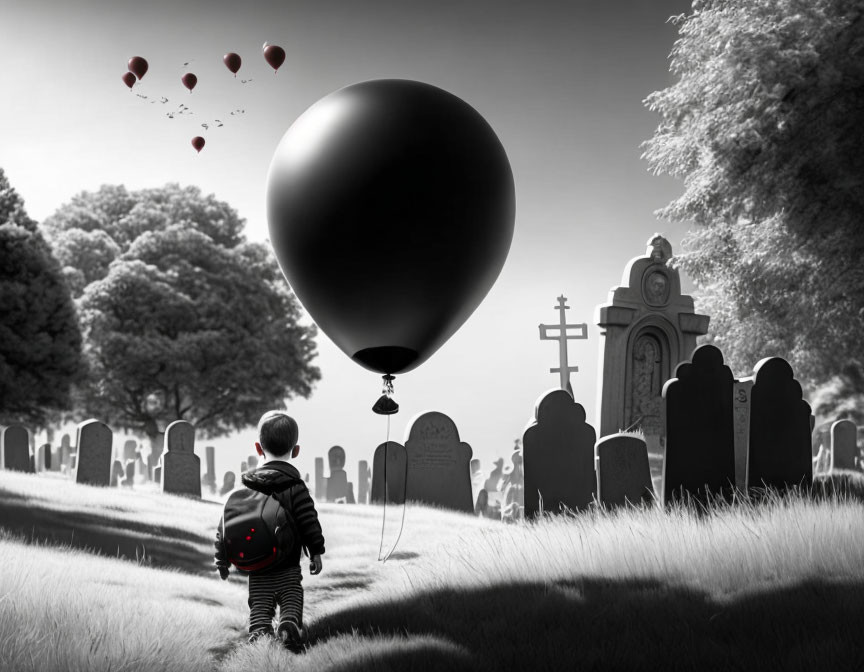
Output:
(277, 433)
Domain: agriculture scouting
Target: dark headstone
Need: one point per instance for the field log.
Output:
(558, 453)
(623, 473)
(780, 452)
(699, 429)
(438, 471)
(15, 449)
(181, 467)
(43, 457)
(844, 445)
(93, 461)
(394, 467)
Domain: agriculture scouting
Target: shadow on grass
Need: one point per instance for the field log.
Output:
(152, 545)
(620, 625)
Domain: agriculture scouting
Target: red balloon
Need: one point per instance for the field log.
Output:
(391, 209)
(128, 79)
(138, 66)
(189, 81)
(232, 61)
(275, 56)
(198, 143)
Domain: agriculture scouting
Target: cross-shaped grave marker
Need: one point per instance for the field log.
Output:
(562, 337)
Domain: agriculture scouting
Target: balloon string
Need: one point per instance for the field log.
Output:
(386, 497)
(384, 512)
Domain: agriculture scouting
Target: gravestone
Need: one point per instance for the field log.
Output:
(93, 461)
(741, 392)
(780, 454)
(364, 476)
(208, 480)
(388, 477)
(244, 467)
(558, 456)
(228, 481)
(623, 473)
(320, 481)
(438, 463)
(337, 482)
(118, 473)
(15, 449)
(699, 429)
(129, 481)
(251, 462)
(647, 328)
(181, 467)
(43, 457)
(844, 445)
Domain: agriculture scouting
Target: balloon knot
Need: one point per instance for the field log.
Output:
(385, 405)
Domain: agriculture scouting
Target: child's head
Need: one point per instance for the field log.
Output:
(277, 435)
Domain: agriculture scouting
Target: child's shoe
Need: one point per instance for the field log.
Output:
(292, 636)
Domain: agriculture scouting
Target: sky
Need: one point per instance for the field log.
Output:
(561, 83)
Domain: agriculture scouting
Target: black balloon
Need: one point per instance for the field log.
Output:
(391, 209)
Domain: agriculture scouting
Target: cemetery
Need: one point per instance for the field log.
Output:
(672, 427)
(477, 367)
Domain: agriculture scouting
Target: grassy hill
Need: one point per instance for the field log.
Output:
(101, 579)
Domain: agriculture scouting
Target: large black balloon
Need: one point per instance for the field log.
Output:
(391, 208)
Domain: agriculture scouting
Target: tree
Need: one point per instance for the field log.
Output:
(764, 127)
(40, 343)
(183, 319)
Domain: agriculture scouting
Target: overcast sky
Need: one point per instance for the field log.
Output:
(561, 83)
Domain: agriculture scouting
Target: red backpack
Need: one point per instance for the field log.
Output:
(257, 530)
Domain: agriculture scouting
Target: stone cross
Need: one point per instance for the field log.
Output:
(562, 337)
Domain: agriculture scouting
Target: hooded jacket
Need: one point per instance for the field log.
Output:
(282, 480)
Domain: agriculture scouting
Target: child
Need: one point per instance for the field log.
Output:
(277, 442)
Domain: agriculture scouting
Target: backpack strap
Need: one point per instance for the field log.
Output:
(284, 500)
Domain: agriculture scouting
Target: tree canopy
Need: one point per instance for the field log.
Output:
(40, 342)
(183, 318)
(763, 125)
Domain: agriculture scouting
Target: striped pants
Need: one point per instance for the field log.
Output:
(280, 586)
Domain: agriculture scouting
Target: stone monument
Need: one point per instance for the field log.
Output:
(181, 467)
(647, 328)
(438, 470)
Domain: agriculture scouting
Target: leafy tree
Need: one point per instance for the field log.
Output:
(40, 342)
(183, 319)
(764, 127)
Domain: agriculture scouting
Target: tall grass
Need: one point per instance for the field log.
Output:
(777, 584)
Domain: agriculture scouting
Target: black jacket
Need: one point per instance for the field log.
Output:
(283, 481)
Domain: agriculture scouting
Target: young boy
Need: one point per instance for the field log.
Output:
(277, 442)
